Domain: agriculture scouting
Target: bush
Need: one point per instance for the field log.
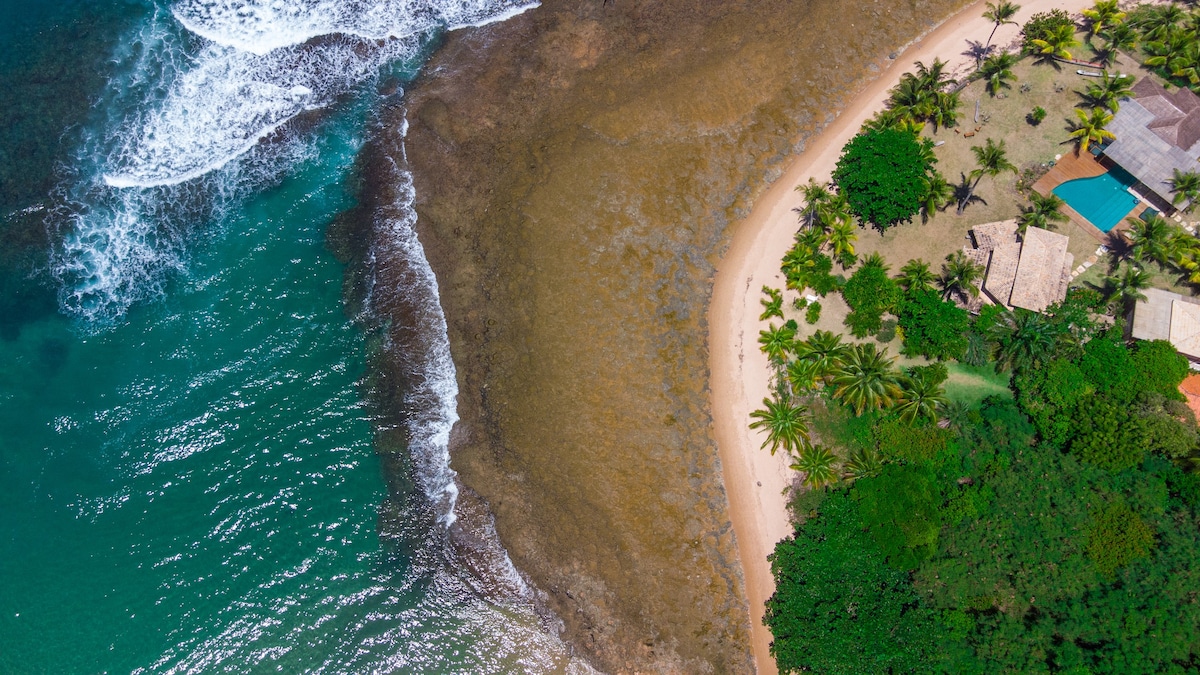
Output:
(887, 331)
(1107, 436)
(1160, 368)
(882, 172)
(1043, 24)
(813, 313)
(933, 327)
(870, 292)
(1036, 116)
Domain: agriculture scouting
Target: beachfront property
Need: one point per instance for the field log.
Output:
(1157, 132)
(1031, 271)
(1164, 315)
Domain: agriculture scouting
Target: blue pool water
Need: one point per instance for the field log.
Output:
(1104, 200)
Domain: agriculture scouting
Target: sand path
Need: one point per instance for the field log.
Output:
(754, 480)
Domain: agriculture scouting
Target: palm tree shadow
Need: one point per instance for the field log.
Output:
(961, 190)
(1120, 248)
(978, 51)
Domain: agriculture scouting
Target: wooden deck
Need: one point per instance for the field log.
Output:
(1069, 167)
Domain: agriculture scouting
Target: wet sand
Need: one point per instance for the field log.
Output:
(578, 170)
(753, 478)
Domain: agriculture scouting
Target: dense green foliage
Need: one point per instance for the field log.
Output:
(870, 292)
(933, 327)
(1043, 26)
(883, 173)
(838, 608)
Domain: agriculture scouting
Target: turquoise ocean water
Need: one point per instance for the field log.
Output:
(187, 476)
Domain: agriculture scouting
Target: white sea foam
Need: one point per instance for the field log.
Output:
(431, 398)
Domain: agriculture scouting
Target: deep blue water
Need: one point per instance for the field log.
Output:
(187, 475)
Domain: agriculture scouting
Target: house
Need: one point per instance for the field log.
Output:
(1156, 133)
(1032, 272)
(1164, 315)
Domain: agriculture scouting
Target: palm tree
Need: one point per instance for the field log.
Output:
(1172, 52)
(939, 192)
(1103, 13)
(1160, 21)
(825, 350)
(842, 236)
(1117, 37)
(1057, 44)
(1149, 239)
(1090, 129)
(1186, 187)
(959, 274)
(772, 304)
(866, 379)
(922, 397)
(816, 197)
(864, 463)
(991, 160)
(776, 342)
(997, 71)
(934, 78)
(1108, 92)
(803, 375)
(999, 14)
(819, 466)
(1043, 212)
(786, 424)
(945, 109)
(916, 276)
(1127, 288)
(1024, 340)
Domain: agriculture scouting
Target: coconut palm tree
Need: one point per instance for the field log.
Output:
(1104, 13)
(863, 463)
(921, 398)
(1186, 187)
(1108, 92)
(939, 192)
(1173, 48)
(772, 304)
(819, 466)
(785, 422)
(1126, 288)
(776, 342)
(803, 375)
(945, 109)
(935, 78)
(1057, 43)
(997, 71)
(825, 350)
(842, 236)
(1090, 128)
(999, 14)
(816, 197)
(959, 274)
(1043, 212)
(1148, 239)
(916, 276)
(1024, 340)
(991, 159)
(866, 379)
(1117, 37)
(1160, 21)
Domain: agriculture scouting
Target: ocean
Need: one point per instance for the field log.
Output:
(189, 478)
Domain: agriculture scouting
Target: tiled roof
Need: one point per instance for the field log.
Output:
(1039, 276)
(1156, 132)
(1002, 272)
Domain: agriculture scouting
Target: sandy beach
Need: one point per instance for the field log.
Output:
(755, 481)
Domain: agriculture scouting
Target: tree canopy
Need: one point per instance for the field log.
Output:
(884, 174)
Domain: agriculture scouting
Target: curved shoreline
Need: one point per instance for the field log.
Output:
(755, 481)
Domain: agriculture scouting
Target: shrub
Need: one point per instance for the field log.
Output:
(933, 327)
(870, 292)
(1160, 368)
(1036, 116)
(887, 331)
(813, 313)
(882, 172)
(1042, 25)
(1107, 435)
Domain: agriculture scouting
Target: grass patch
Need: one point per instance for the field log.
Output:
(971, 384)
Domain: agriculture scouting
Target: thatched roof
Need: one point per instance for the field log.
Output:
(1002, 272)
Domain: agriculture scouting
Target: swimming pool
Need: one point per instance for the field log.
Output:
(1104, 200)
